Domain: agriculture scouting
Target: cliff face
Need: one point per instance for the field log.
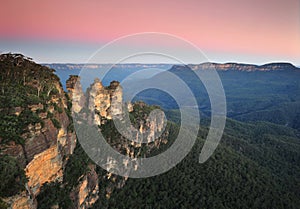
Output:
(45, 167)
(87, 192)
(41, 121)
(21, 201)
(37, 133)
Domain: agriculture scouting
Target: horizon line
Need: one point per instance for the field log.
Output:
(154, 63)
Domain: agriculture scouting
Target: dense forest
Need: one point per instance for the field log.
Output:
(256, 165)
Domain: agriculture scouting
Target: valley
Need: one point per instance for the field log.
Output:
(44, 164)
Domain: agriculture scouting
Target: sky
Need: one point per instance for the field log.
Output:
(256, 31)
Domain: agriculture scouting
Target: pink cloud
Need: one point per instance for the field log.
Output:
(259, 27)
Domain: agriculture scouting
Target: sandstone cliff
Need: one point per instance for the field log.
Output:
(41, 140)
(37, 137)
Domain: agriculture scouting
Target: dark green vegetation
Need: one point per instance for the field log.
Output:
(264, 96)
(257, 164)
(54, 194)
(23, 84)
(12, 177)
(79, 164)
(24, 81)
(76, 166)
(26, 89)
(58, 193)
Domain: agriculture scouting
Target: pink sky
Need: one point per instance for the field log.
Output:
(254, 28)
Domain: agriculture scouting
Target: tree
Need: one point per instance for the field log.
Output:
(12, 176)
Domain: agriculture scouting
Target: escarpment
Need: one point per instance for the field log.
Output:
(238, 67)
(35, 119)
(38, 145)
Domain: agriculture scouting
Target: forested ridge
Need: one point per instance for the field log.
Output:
(253, 167)
(256, 165)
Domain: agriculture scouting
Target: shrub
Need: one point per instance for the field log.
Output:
(56, 123)
(12, 176)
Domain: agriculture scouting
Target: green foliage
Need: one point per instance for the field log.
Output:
(255, 166)
(54, 91)
(140, 112)
(52, 194)
(3, 205)
(50, 114)
(57, 108)
(10, 129)
(24, 81)
(12, 177)
(20, 80)
(76, 166)
(56, 123)
(29, 117)
(13, 126)
(272, 96)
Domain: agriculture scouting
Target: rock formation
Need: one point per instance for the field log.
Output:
(87, 192)
(45, 141)
(39, 131)
(75, 93)
(104, 104)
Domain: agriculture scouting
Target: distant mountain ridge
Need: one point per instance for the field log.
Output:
(72, 66)
(203, 66)
(238, 66)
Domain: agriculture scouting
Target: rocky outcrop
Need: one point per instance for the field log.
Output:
(75, 93)
(45, 167)
(116, 100)
(21, 201)
(98, 101)
(87, 192)
(45, 150)
(40, 134)
(44, 141)
(105, 102)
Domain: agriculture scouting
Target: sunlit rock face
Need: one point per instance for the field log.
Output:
(116, 94)
(45, 167)
(21, 201)
(87, 192)
(105, 102)
(40, 136)
(75, 93)
(98, 100)
(45, 140)
(48, 138)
